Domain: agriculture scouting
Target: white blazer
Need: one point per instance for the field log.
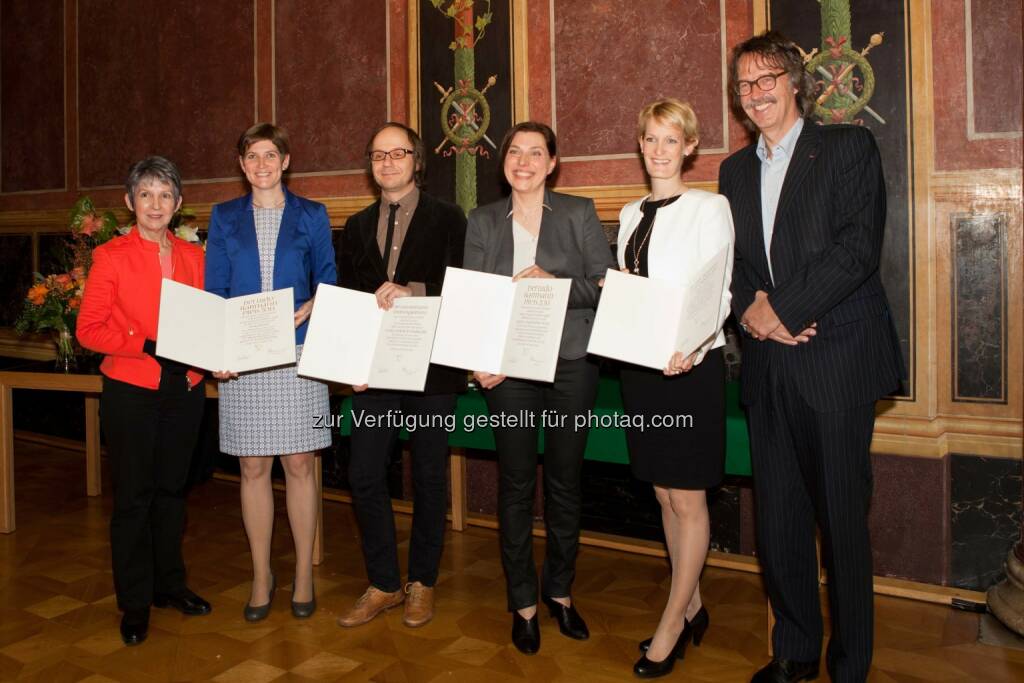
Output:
(685, 235)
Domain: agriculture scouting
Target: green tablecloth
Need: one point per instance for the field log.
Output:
(605, 444)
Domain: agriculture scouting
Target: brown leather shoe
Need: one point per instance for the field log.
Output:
(419, 606)
(369, 605)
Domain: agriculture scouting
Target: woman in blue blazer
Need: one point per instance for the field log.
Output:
(272, 239)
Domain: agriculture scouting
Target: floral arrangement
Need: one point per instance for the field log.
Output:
(52, 302)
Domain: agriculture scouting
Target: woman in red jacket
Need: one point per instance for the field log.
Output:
(151, 407)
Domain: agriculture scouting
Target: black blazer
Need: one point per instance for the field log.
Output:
(433, 242)
(572, 244)
(826, 246)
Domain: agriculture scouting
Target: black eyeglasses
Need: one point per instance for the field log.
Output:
(395, 154)
(764, 83)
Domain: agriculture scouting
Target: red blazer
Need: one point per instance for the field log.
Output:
(121, 304)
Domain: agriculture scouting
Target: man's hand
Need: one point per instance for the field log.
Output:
(486, 380)
(761, 323)
(532, 271)
(388, 292)
(759, 320)
(224, 375)
(359, 388)
(302, 313)
(782, 335)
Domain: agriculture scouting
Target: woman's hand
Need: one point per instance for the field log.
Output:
(302, 313)
(678, 364)
(486, 380)
(532, 271)
(224, 375)
(388, 292)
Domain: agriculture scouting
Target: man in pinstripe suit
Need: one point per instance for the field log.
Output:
(819, 349)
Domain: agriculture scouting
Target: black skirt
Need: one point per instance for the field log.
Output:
(681, 442)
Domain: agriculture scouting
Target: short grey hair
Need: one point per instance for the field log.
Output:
(153, 168)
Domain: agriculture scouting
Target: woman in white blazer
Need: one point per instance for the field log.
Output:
(670, 235)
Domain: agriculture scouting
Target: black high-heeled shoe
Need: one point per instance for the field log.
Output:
(693, 630)
(646, 668)
(253, 613)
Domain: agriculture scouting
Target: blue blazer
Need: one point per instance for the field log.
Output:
(304, 255)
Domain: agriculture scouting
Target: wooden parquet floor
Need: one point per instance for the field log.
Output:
(58, 621)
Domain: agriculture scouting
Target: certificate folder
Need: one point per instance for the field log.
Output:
(244, 333)
(351, 340)
(644, 321)
(492, 324)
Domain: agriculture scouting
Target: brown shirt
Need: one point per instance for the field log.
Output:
(406, 208)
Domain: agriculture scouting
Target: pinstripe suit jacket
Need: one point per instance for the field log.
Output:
(826, 246)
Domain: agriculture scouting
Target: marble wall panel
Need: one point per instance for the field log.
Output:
(176, 79)
(909, 524)
(979, 305)
(330, 79)
(985, 518)
(32, 131)
(996, 78)
(610, 59)
(956, 148)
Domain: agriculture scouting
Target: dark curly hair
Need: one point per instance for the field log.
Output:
(777, 51)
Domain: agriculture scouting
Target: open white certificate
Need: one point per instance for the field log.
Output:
(352, 340)
(240, 334)
(644, 321)
(492, 324)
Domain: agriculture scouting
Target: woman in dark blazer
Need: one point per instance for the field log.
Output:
(537, 233)
(267, 240)
(150, 407)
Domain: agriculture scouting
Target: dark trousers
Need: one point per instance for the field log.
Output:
(367, 472)
(150, 436)
(813, 468)
(572, 394)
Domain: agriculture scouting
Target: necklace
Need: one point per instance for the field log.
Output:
(638, 250)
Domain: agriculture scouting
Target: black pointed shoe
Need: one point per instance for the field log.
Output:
(646, 668)
(526, 633)
(135, 626)
(570, 623)
(786, 671)
(186, 602)
(693, 630)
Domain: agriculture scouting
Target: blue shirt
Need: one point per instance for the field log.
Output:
(773, 173)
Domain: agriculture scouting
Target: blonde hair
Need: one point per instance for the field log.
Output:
(672, 112)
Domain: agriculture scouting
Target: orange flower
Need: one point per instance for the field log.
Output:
(91, 224)
(37, 294)
(64, 281)
(74, 302)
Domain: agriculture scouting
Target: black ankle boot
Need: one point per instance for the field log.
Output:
(526, 633)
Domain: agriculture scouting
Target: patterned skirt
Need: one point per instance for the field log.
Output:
(273, 412)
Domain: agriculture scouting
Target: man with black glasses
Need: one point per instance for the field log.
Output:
(400, 246)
